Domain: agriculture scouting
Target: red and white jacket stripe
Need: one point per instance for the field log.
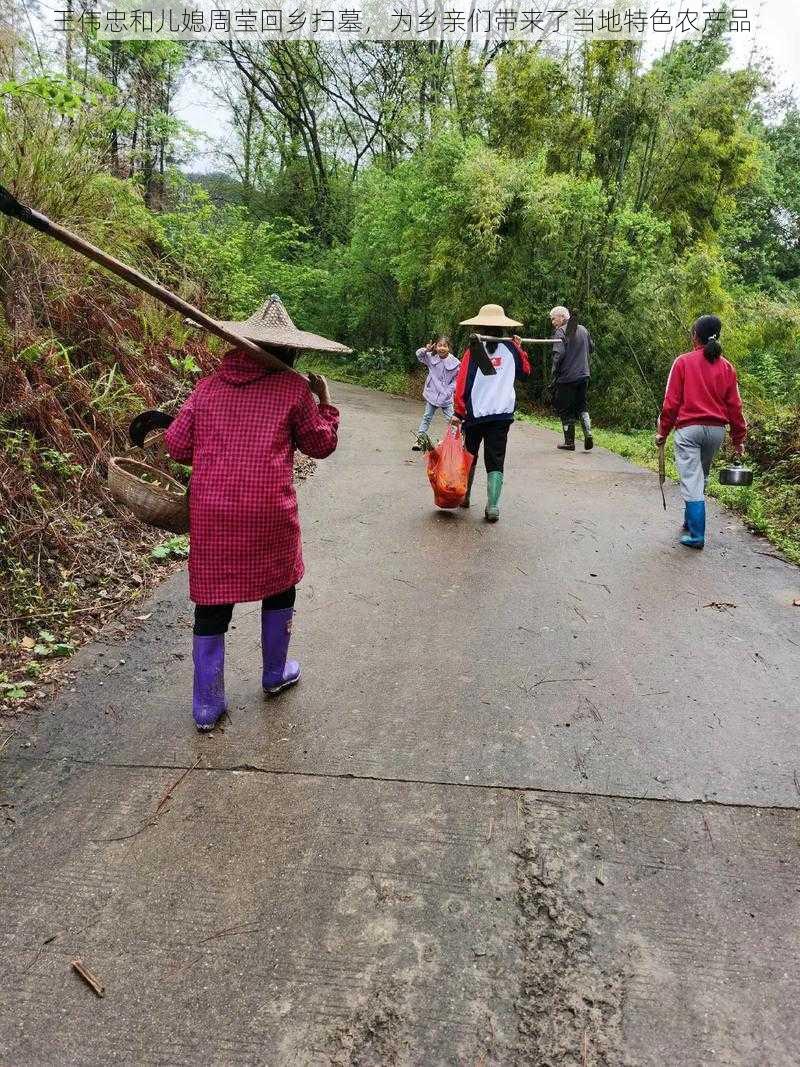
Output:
(483, 397)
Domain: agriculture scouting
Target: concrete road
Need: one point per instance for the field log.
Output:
(533, 802)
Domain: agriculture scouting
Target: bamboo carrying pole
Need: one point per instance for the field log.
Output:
(481, 355)
(9, 205)
(525, 340)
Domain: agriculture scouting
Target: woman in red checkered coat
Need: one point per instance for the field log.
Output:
(239, 430)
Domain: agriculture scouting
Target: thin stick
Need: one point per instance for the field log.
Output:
(525, 340)
(65, 611)
(168, 795)
(644, 376)
(154, 817)
(241, 928)
(10, 206)
(7, 740)
(89, 978)
(708, 831)
(780, 559)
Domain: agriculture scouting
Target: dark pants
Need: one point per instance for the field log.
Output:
(495, 438)
(211, 619)
(571, 399)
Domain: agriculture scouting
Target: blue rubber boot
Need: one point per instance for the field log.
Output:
(276, 633)
(696, 518)
(208, 701)
(685, 519)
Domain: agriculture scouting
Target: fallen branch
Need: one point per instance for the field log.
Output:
(12, 734)
(553, 681)
(708, 831)
(67, 611)
(580, 763)
(241, 928)
(168, 795)
(89, 978)
(780, 559)
(594, 710)
(159, 808)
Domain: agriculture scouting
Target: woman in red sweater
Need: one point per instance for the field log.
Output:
(702, 398)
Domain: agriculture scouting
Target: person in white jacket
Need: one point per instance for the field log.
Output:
(485, 403)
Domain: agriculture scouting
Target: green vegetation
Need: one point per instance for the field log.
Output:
(173, 548)
(385, 191)
(362, 368)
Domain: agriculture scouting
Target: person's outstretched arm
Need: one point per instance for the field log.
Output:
(452, 376)
(315, 428)
(733, 404)
(559, 351)
(179, 437)
(424, 354)
(522, 365)
(460, 394)
(673, 398)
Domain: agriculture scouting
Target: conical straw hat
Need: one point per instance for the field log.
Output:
(491, 315)
(271, 325)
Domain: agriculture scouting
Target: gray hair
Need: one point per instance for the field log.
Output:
(560, 311)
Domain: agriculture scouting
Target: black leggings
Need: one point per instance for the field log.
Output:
(495, 438)
(213, 619)
(571, 399)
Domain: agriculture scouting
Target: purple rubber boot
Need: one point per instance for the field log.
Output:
(276, 633)
(208, 702)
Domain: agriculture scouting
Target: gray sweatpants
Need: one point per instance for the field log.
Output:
(695, 448)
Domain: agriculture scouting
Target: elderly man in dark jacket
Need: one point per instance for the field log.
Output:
(573, 345)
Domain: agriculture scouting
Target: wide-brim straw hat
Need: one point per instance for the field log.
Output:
(490, 315)
(271, 325)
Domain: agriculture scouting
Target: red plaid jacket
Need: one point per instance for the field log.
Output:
(239, 430)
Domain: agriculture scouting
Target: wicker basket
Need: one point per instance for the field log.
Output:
(161, 502)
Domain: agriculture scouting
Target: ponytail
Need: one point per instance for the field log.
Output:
(706, 331)
(712, 349)
(571, 327)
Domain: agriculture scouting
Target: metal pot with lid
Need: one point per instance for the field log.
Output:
(736, 474)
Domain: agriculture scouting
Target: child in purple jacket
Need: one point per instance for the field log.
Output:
(440, 384)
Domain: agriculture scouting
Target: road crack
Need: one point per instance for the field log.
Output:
(253, 768)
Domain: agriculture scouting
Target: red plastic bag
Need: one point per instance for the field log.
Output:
(448, 469)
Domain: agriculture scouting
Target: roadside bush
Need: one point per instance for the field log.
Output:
(231, 262)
